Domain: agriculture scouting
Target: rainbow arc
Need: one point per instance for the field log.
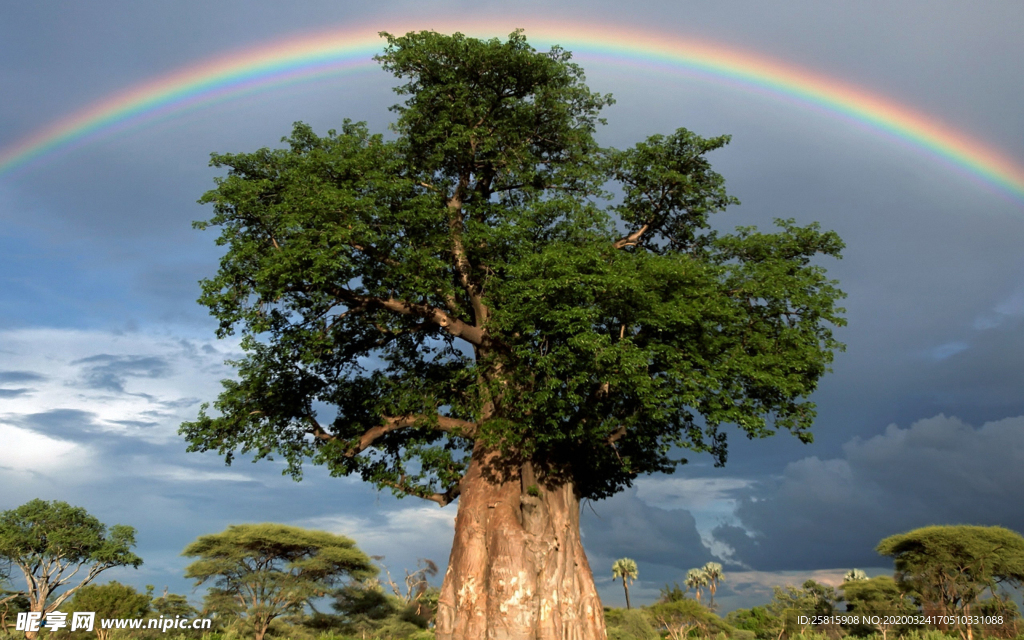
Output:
(350, 50)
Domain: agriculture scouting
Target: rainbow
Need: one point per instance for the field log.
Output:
(350, 50)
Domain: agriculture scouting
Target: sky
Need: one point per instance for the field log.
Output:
(104, 351)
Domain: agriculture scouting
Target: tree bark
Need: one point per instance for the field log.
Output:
(517, 569)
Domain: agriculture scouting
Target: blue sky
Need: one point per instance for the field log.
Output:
(104, 352)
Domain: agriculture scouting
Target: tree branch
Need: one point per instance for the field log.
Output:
(460, 259)
(450, 324)
(374, 254)
(465, 428)
(632, 239)
(442, 499)
(448, 497)
(395, 423)
(616, 435)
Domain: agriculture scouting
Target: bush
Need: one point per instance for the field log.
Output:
(626, 624)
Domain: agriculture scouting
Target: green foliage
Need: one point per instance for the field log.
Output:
(367, 609)
(927, 634)
(110, 600)
(269, 570)
(173, 604)
(222, 606)
(810, 599)
(462, 283)
(681, 617)
(950, 567)
(758, 621)
(626, 624)
(879, 596)
(672, 593)
(51, 542)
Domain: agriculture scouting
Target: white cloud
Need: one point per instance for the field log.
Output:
(402, 535)
(131, 384)
(675, 492)
(27, 453)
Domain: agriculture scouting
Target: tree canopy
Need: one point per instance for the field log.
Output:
(473, 280)
(490, 306)
(950, 567)
(879, 599)
(51, 542)
(272, 569)
(111, 600)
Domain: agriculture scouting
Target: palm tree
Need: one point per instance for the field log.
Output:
(696, 579)
(713, 573)
(626, 569)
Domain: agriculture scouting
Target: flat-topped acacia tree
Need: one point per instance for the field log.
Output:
(460, 311)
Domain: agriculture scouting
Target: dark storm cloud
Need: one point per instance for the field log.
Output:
(109, 372)
(832, 513)
(625, 526)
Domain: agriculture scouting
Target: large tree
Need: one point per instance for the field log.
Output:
(463, 311)
(269, 570)
(55, 544)
(951, 567)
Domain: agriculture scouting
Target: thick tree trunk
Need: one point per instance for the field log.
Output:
(517, 569)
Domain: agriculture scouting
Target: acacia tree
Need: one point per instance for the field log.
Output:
(678, 618)
(269, 569)
(625, 568)
(53, 542)
(481, 324)
(951, 567)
